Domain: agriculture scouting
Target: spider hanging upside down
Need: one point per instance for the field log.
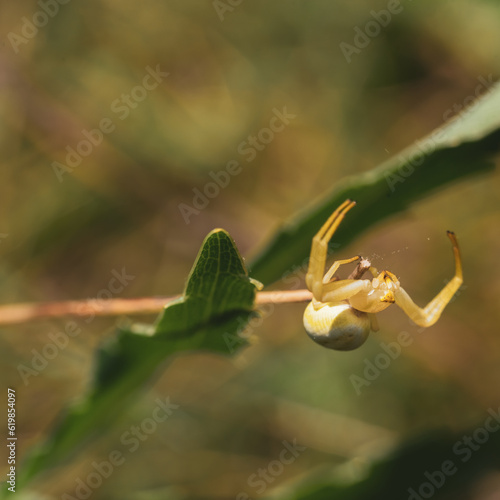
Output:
(342, 312)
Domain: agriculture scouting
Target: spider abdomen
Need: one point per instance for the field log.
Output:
(336, 325)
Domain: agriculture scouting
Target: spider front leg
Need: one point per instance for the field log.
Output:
(329, 275)
(319, 250)
(432, 311)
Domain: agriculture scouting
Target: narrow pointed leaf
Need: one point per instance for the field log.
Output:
(217, 302)
(465, 146)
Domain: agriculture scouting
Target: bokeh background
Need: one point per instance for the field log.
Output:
(229, 67)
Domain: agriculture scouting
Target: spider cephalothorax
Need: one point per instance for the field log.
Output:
(342, 312)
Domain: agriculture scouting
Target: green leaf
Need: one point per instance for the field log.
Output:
(464, 146)
(217, 303)
(393, 477)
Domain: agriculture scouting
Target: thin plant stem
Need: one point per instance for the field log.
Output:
(22, 313)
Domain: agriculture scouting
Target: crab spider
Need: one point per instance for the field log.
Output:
(342, 312)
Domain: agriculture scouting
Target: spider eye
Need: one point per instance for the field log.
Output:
(388, 297)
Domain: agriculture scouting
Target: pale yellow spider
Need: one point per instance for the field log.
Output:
(342, 312)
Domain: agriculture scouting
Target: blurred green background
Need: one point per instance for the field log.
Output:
(62, 236)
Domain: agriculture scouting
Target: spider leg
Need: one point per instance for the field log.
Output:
(319, 248)
(335, 266)
(337, 291)
(428, 315)
(373, 322)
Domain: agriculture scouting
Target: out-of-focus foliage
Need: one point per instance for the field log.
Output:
(430, 460)
(219, 295)
(216, 305)
(463, 147)
(120, 208)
